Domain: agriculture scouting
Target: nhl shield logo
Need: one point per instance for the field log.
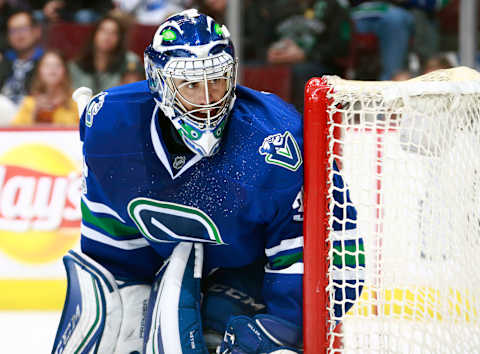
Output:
(282, 150)
(178, 162)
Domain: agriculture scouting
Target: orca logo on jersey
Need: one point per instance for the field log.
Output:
(161, 221)
(94, 106)
(282, 150)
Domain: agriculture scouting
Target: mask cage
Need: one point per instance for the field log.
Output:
(193, 70)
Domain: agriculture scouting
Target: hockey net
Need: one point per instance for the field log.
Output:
(410, 154)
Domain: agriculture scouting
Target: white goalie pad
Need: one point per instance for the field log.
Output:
(99, 315)
(174, 321)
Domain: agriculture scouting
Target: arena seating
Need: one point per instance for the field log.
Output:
(71, 38)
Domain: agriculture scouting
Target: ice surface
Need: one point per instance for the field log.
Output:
(26, 332)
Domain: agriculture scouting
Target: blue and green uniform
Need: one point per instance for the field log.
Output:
(244, 203)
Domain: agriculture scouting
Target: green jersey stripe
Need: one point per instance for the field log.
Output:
(348, 260)
(101, 208)
(124, 244)
(287, 260)
(347, 256)
(109, 225)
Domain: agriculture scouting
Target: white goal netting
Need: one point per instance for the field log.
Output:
(410, 154)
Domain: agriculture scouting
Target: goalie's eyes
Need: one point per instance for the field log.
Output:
(184, 85)
(194, 85)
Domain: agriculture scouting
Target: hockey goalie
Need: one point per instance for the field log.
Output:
(191, 236)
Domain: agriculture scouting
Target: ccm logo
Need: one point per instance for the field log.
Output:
(237, 295)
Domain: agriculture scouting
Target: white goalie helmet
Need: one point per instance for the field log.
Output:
(191, 71)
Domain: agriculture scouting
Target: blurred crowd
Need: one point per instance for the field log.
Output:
(357, 39)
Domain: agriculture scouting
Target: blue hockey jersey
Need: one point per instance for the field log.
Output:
(243, 203)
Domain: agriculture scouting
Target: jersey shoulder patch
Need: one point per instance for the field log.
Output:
(282, 150)
(93, 107)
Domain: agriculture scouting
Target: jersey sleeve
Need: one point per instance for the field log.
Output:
(282, 153)
(283, 280)
(282, 287)
(107, 234)
(348, 252)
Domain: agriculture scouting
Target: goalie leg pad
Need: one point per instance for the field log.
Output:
(173, 322)
(94, 317)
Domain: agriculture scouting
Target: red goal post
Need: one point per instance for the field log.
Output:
(315, 313)
(316, 216)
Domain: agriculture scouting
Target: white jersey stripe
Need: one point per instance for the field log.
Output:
(125, 244)
(296, 268)
(344, 235)
(285, 245)
(347, 274)
(101, 208)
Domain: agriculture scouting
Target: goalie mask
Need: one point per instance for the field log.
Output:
(191, 71)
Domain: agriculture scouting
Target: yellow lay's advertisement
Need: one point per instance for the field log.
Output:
(39, 215)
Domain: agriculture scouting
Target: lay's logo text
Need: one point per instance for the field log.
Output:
(39, 203)
(30, 200)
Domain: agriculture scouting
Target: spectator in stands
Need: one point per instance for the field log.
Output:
(50, 99)
(18, 62)
(8, 110)
(105, 58)
(214, 8)
(395, 23)
(309, 35)
(54, 11)
(393, 26)
(7, 8)
(151, 12)
(87, 11)
(437, 62)
(402, 75)
(132, 75)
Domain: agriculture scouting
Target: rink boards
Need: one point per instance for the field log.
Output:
(39, 214)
